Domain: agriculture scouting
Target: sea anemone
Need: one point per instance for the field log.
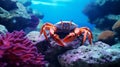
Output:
(107, 37)
(18, 51)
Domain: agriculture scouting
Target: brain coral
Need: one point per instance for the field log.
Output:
(17, 51)
(107, 37)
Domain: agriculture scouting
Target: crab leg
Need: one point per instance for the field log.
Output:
(56, 37)
(44, 32)
(72, 35)
(45, 27)
(90, 38)
(84, 37)
(77, 32)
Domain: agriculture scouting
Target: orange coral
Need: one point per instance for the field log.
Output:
(107, 37)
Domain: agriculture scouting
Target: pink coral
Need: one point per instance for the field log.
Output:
(17, 50)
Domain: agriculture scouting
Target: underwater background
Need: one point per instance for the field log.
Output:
(55, 10)
(59, 33)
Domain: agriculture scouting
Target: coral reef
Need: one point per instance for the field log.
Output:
(18, 51)
(20, 12)
(15, 19)
(107, 37)
(105, 13)
(18, 18)
(97, 55)
(3, 29)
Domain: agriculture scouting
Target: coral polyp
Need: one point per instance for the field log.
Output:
(18, 51)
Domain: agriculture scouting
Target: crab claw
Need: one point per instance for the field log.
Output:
(72, 35)
(46, 26)
(69, 37)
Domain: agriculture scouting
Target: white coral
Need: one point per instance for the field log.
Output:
(3, 29)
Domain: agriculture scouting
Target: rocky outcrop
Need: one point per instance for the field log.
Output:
(103, 13)
(8, 5)
(34, 36)
(16, 18)
(97, 55)
(107, 37)
(51, 49)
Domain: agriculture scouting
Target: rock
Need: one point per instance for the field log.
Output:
(106, 13)
(17, 19)
(96, 32)
(116, 46)
(53, 49)
(20, 12)
(107, 37)
(97, 55)
(34, 36)
(8, 4)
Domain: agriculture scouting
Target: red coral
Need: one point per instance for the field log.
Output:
(17, 50)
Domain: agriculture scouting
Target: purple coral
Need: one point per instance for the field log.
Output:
(17, 50)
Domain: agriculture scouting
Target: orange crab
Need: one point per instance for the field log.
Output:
(69, 28)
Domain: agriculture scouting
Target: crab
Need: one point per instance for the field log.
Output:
(69, 29)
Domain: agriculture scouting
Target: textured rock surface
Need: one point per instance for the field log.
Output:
(51, 49)
(20, 12)
(14, 18)
(34, 36)
(97, 55)
(17, 18)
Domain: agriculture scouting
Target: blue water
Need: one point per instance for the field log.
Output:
(66, 10)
